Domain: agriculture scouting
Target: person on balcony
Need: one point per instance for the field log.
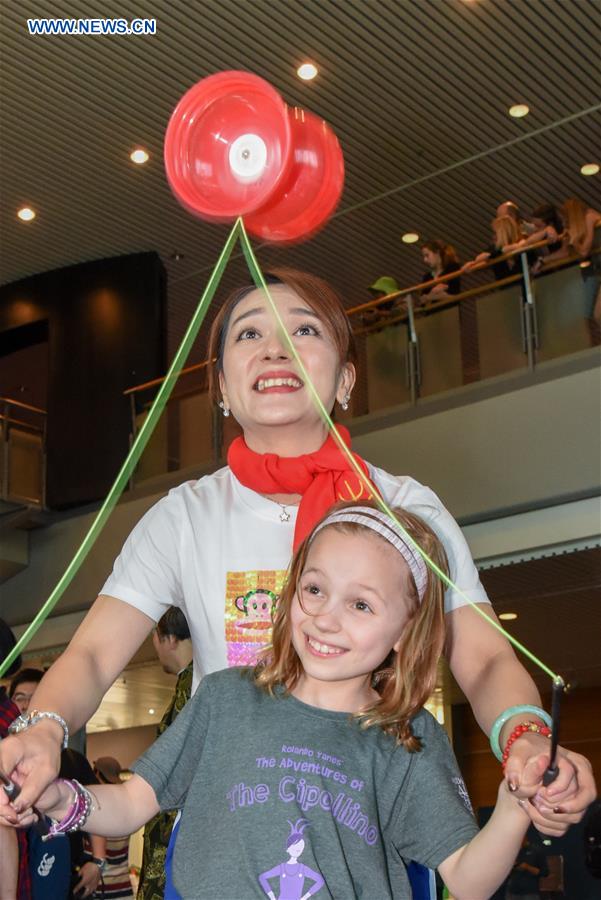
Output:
(583, 227)
(506, 237)
(441, 259)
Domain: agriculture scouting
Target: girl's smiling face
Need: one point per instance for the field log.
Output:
(260, 381)
(354, 598)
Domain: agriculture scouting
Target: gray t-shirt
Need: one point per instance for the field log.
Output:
(282, 796)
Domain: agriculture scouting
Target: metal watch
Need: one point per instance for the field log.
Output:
(100, 862)
(26, 720)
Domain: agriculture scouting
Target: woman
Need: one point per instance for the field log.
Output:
(506, 237)
(218, 548)
(548, 226)
(441, 259)
(583, 227)
(505, 233)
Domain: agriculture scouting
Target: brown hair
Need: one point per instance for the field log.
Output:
(405, 679)
(317, 293)
(506, 231)
(574, 214)
(446, 251)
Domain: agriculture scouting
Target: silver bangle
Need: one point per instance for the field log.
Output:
(26, 720)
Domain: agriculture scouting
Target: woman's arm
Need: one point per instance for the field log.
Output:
(73, 687)
(493, 679)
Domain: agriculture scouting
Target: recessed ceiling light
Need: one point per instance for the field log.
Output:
(589, 169)
(151, 711)
(139, 156)
(26, 214)
(410, 237)
(307, 71)
(519, 110)
(508, 617)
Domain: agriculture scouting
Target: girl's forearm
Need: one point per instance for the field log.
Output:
(117, 809)
(475, 871)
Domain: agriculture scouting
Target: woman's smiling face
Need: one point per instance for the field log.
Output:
(260, 381)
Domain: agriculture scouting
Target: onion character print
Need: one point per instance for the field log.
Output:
(292, 874)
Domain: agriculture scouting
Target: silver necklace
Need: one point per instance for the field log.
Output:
(284, 515)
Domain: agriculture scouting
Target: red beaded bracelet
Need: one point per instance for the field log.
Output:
(518, 731)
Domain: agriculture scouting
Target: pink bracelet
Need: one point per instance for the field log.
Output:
(77, 814)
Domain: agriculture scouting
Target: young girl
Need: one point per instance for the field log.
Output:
(318, 772)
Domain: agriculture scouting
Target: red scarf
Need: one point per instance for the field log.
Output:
(322, 478)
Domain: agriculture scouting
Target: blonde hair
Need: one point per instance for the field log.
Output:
(506, 231)
(406, 679)
(574, 214)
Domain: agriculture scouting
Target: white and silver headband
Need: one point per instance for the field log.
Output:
(385, 527)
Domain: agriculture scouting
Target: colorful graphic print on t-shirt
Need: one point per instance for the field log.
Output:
(250, 601)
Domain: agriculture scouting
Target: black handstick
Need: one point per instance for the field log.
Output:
(12, 791)
(553, 769)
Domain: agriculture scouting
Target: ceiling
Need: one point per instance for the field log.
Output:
(416, 90)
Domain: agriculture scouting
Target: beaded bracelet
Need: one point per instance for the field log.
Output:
(77, 814)
(509, 714)
(518, 731)
(26, 720)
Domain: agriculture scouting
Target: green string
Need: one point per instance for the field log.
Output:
(260, 282)
(134, 454)
(238, 231)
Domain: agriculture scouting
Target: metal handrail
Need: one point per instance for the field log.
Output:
(443, 279)
(21, 424)
(21, 405)
(431, 306)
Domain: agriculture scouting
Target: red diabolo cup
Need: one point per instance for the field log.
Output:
(311, 190)
(233, 148)
(227, 145)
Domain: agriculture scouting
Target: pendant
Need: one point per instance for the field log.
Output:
(284, 515)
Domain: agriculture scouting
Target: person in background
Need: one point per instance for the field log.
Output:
(548, 226)
(441, 259)
(381, 288)
(22, 687)
(15, 880)
(505, 232)
(116, 883)
(530, 865)
(583, 227)
(49, 861)
(511, 209)
(173, 646)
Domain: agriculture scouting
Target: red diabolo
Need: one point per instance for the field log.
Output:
(234, 148)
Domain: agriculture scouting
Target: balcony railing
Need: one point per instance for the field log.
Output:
(23, 453)
(419, 350)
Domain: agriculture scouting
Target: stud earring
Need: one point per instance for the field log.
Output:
(222, 406)
(345, 402)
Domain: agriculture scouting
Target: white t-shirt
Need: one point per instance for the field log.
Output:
(220, 552)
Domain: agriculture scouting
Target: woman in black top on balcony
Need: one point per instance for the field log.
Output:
(441, 259)
(548, 227)
(506, 237)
